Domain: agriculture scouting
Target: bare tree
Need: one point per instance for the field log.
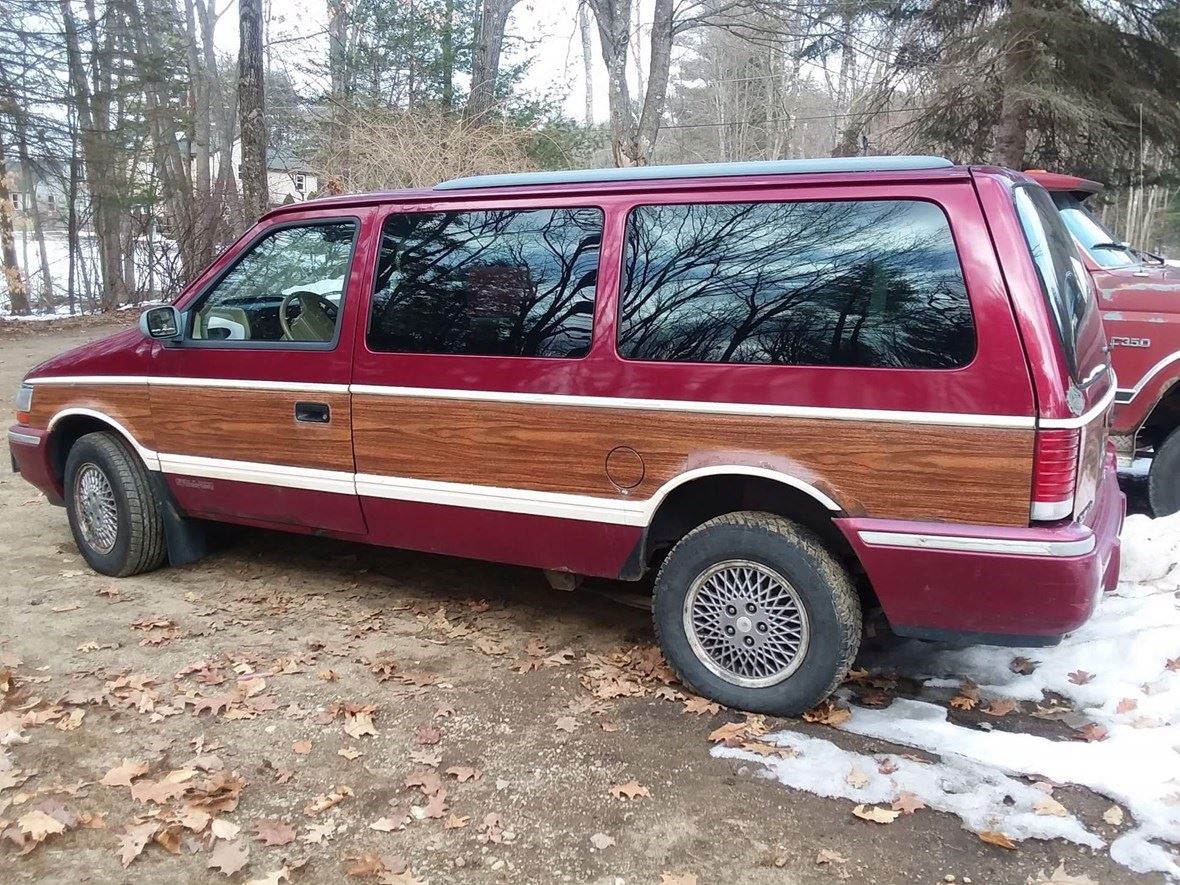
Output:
(587, 61)
(485, 62)
(18, 297)
(633, 138)
(251, 107)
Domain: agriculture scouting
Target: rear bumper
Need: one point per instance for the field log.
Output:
(999, 585)
(29, 448)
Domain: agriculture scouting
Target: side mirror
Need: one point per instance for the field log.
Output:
(161, 323)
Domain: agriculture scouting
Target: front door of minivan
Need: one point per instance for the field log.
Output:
(251, 408)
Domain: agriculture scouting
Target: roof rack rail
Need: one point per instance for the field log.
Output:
(698, 170)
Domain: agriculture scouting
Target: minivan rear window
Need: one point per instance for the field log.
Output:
(1064, 280)
(870, 283)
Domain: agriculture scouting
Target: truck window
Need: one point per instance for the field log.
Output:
(1099, 242)
(1064, 279)
(873, 283)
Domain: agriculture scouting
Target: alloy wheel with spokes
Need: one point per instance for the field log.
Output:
(98, 512)
(746, 623)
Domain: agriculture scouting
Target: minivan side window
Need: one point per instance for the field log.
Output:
(288, 288)
(1064, 279)
(516, 282)
(871, 283)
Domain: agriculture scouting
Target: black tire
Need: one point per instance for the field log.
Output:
(1163, 479)
(138, 545)
(833, 616)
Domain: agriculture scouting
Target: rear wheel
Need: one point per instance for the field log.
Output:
(112, 507)
(753, 612)
(1163, 480)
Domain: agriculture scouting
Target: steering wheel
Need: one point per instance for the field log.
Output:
(314, 323)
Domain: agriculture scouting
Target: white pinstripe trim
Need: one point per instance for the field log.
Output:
(1086, 417)
(1151, 373)
(954, 419)
(336, 481)
(1007, 546)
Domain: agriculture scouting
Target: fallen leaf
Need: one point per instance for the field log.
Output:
(1080, 677)
(326, 801)
(273, 831)
(350, 753)
(601, 841)
(1092, 732)
(630, 790)
(999, 839)
(826, 855)
(962, 702)
(999, 707)
(425, 757)
(1113, 816)
(566, 723)
(1050, 807)
(1023, 666)
(301, 747)
(224, 829)
(317, 833)
(908, 803)
(123, 775)
(701, 706)
(274, 877)
(857, 779)
(428, 735)
(229, 857)
(456, 822)
(386, 825)
(38, 825)
(1126, 705)
(875, 814)
(134, 839)
(827, 713)
(160, 792)
(360, 723)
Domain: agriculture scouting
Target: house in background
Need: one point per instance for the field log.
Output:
(289, 179)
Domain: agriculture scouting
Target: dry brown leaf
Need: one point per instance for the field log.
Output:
(134, 839)
(566, 724)
(875, 814)
(857, 779)
(827, 713)
(224, 829)
(826, 855)
(1050, 807)
(908, 803)
(428, 735)
(963, 702)
(229, 857)
(1092, 732)
(630, 790)
(456, 822)
(1113, 816)
(387, 825)
(999, 707)
(161, 792)
(701, 706)
(302, 747)
(1080, 677)
(425, 757)
(123, 775)
(360, 724)
(38, 825)
(273, 831)
(1022, 666)
(463, 773)
(350, 753)
(991, 837)
(325, 801)
(1126, 705)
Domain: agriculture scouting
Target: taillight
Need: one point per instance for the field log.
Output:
(1055, 472)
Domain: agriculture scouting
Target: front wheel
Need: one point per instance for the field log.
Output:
(751, 611)
(1163, 480)
(112, 507)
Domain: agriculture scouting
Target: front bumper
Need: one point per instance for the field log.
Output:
(29, 449)
(999, 585)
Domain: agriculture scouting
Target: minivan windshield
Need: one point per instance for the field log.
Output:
(1099, 242)
(1064, 280)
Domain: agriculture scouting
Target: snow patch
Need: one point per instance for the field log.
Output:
(1114, 670)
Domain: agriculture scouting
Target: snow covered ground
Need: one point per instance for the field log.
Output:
(1119, 676)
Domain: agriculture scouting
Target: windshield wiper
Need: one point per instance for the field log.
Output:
(1120, 247)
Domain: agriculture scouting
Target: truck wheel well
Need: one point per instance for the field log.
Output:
(1163, 419)
(700, 500)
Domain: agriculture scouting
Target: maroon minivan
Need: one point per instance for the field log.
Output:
(795, 391)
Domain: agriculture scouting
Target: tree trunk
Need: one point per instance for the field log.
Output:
(18, 293)
(587, 62)
(485, 61)
(1015, 107)
(30, 183)
(656, 94)
(251, 108)
(448, 56)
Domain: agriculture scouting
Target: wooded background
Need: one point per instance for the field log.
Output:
(134, 147)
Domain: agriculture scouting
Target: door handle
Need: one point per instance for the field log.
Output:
(313, 413)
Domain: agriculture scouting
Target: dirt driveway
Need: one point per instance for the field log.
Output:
(315, 707)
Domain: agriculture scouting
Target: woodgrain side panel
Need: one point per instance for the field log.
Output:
(126, 403)
(252, 425)
(882, 469)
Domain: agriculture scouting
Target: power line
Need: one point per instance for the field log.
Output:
(793, 119)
